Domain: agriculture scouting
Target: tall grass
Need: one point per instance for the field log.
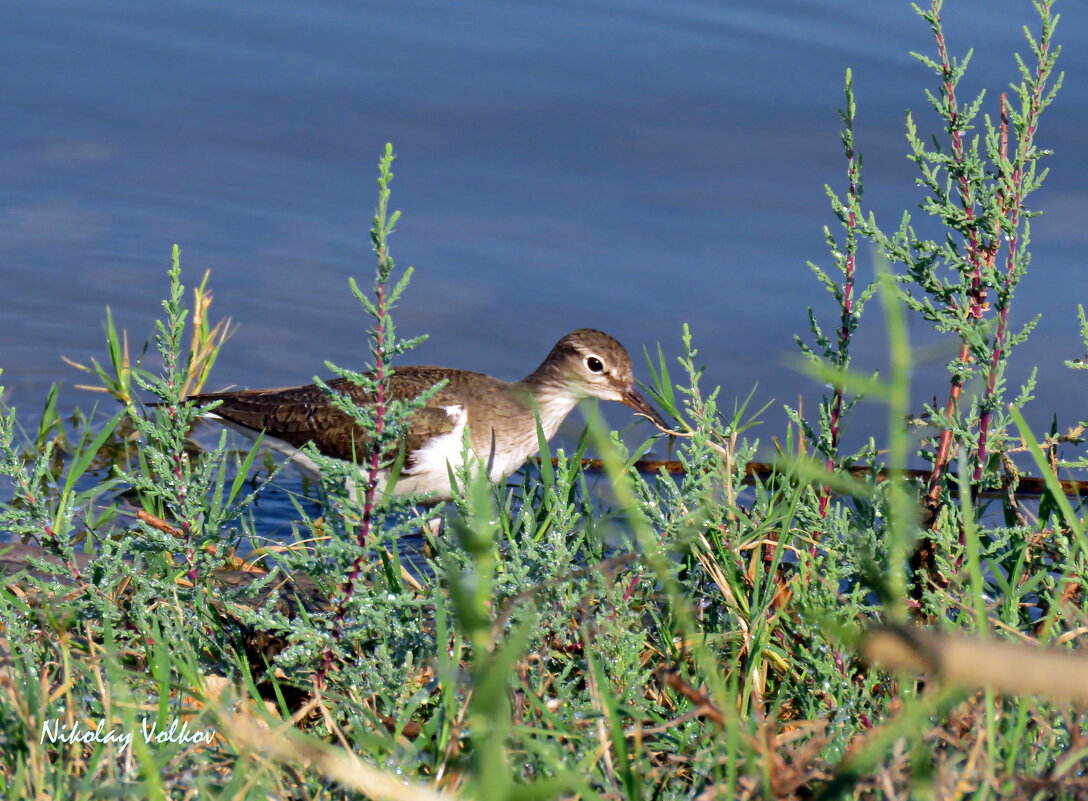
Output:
(708, 635)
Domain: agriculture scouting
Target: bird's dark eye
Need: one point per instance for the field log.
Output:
(594, 364)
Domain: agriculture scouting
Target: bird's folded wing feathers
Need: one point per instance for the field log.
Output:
(298, 415)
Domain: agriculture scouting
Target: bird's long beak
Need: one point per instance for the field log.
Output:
(638, 403)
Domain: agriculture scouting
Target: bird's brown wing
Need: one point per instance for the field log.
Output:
(298, 415)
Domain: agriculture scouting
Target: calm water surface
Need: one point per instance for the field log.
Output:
(628, 165)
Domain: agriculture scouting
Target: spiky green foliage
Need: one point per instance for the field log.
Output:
(614, 633)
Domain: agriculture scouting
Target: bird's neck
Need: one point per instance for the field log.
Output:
(551, 397)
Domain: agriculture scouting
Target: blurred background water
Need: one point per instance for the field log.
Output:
(627, 165)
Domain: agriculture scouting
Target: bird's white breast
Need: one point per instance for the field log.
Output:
(431, 463)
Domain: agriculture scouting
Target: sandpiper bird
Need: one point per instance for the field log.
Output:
(500, 417)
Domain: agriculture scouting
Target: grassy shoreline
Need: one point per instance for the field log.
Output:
(842, 629)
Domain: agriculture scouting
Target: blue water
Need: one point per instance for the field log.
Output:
(628, 165)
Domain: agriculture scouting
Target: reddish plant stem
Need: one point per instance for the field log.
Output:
(73, 568)
(379, 429)
(630, 591)
(845, 319)
(373, 469)
(944, 445)
(186, 529)
(1011, 206)
(975, 259)
(1003, 316)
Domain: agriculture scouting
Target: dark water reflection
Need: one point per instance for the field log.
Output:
(624, 165)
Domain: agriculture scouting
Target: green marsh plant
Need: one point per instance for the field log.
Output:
(978, 187)
(620, 635)
(978, 176)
